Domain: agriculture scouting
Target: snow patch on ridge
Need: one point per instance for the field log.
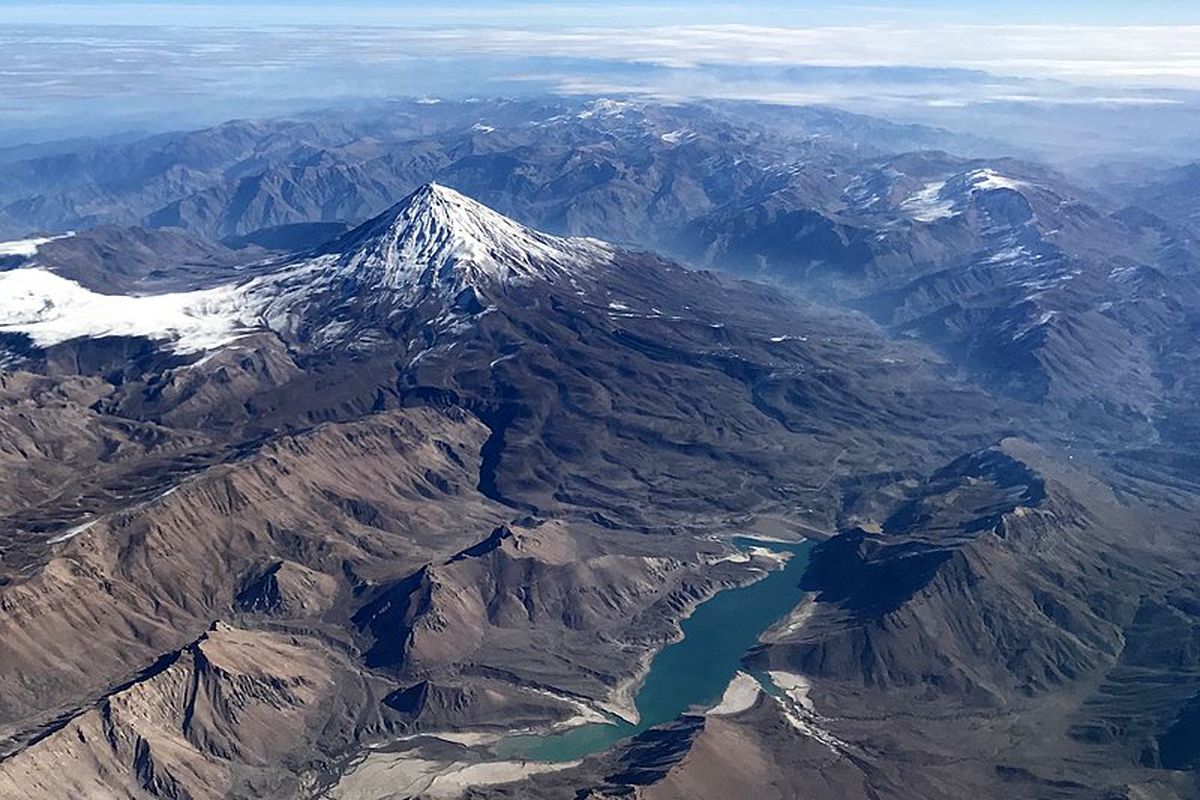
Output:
(606, 107)
(51, 309)
(71, 533)
(942, 199)
(28, 247)
(988, 179)
(927, 205)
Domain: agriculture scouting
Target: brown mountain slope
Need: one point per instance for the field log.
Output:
(337, 500)
(215, 718)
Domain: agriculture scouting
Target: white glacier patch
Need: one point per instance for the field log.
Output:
(27, 247)
(986, 179)
(51, 309)
(927, 205)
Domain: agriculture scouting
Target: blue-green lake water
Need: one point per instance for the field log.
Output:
(691, 672)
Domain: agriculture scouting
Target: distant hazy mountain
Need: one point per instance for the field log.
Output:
(1037, 288)
(1030, 284)
(534, 157)
(1174, 195)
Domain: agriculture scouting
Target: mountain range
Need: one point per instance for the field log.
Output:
(1025, 281)
(404, 485)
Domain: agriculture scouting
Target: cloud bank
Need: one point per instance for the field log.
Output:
(1126, 55)
(62, 78)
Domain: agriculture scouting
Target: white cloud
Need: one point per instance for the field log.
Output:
(58, 80)
(1140, 55)
(1131, 55)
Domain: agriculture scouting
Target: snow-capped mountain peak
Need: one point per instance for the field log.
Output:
(431, 246)
(439, 237)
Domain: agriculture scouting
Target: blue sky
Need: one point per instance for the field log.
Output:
(580, 12)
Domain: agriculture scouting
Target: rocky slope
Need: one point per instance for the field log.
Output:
(212, 720)
(1033, 287)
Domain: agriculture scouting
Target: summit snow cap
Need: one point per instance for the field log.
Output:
(439, 236)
